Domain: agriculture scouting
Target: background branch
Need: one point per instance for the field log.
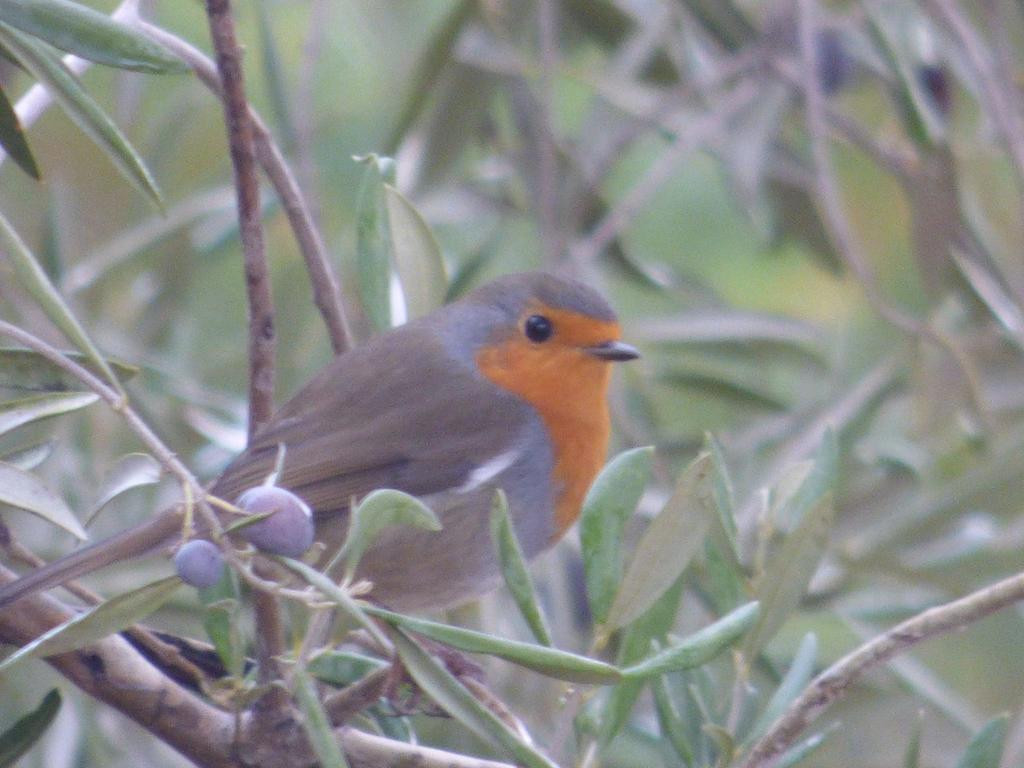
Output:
(834, 682)
(247, 190)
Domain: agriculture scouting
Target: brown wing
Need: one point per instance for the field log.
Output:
(397, 413)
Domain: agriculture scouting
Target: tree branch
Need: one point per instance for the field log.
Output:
(831, 684)
(247, 191)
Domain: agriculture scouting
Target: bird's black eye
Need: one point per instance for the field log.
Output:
(538, 328)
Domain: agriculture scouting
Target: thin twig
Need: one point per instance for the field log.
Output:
(326, 291)
(690, 139)
(831, 684)
(247, 190)
(163, 454)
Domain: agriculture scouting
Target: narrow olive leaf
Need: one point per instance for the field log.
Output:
(551, 662)
(700, 647)
(132, 470)
(670, 721)
(722, 488)
(649, 629)
(28, 458)
(66, 90)
(814, 485)
(802, 749)
(513, 569)
(438, 683)
(97, 623)
(23, 490)
(220, 620)
(417, 256)
(890, 28)
(792, 685)
(725, 744)
(15, 413)
(433, 61)
(912, 755)
(667, 546)
(316, 722)
(373, 242)
(788, 574)
(337, 595)
(986, 748)
(20, 737)
(89, 34)
(12, 138)
(342, 667)
(274, 77)
(27, 370)
(34, 279)
(611, 500)
(378, 510)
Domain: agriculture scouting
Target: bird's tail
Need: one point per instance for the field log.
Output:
(136, 541)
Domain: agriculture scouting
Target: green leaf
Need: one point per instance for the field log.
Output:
(89, 34)
(725, 502)
(220, 620)
(431, 64)
(513, 568)
(28, 458)
(788, 574)
(66, 90)
(792, 507)
(23, 490)
(438, 683)
(667, 546)
(27, 370)
(132, 470)
(700, 647)
(986, 748)
(792, 685)
(378, 510)
(551, 662)
(104, 620)
(36, 282)
(609, 503)
(802, 749)
(316, 722)
(634, 646)
(12, 138)
(912, 756)
(417, 256)
(22, 736)
(273, 76)
(670, 721)
(373, 242)
(337, 595)
(342, 667)
(15, 413)
(890, 29)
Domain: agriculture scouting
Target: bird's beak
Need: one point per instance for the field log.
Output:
(613, 351)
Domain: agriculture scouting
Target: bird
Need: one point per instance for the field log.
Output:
(505, 388)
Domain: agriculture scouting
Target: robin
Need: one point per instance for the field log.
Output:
(505, 388)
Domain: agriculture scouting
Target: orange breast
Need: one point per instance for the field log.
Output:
(569, 389)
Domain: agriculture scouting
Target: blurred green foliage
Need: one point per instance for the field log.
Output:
(660, 149)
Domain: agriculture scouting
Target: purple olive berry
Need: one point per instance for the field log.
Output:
(199, 563)
(287, 531)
